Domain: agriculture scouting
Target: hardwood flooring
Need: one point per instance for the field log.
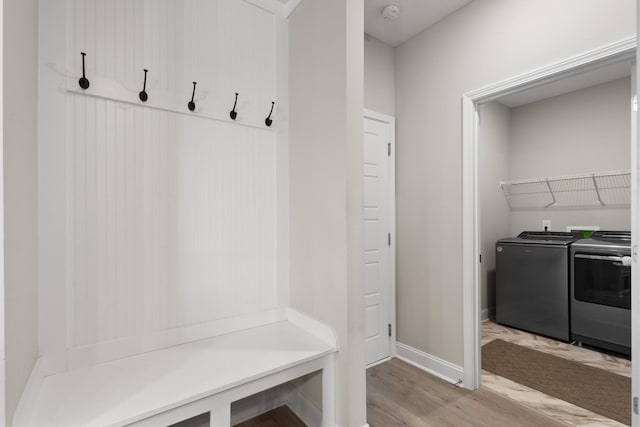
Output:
(279, 417)
(399, 394)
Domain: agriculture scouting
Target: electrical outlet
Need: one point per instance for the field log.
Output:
(546, 224)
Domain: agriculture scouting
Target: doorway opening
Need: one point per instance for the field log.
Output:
(607, 66)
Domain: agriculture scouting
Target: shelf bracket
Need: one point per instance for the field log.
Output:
(553, 197)
(595, 186)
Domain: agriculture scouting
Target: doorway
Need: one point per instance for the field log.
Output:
(550, 76)
(379, 236)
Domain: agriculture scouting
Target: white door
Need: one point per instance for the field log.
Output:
(378, 238)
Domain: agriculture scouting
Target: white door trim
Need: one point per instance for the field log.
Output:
(2, 290)
(391, 121)
(615, 52)
(635, 240)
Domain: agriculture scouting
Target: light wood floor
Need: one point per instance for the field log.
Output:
(567, 413)
(279, 417)
(399, 394)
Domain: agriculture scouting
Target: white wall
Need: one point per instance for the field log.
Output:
(379, 76)
(581, 132)
(493, 164)
(326, 187)
(482, 43)
(20, 87)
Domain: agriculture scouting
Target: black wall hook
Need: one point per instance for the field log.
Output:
(268, 120)
(143, 95)
(233, 113)
(192, 105)
(83, 82)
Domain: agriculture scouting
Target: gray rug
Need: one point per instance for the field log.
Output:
(597, 390)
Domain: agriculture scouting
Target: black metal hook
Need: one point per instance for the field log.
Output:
(268, 120)
(233, 113)
(83, 82)
(192, 105)
(143, 95)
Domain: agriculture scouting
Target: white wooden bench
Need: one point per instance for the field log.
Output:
(173, 384)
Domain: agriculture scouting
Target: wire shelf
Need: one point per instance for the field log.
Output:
(602, 189)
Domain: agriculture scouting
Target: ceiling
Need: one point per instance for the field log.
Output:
(415, 16)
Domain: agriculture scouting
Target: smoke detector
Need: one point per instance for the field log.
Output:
(391, 12)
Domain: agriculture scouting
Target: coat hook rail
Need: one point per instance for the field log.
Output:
(143, 94)
(233, 113)
(83, 82)
(192, 105)
(268, 120)
(116, 92)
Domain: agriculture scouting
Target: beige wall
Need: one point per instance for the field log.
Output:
(581, 132)
(379, 76)
(326, 188)
(482, 43)
(493, 166)
(20, 58)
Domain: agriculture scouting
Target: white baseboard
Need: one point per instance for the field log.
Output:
(29, 397)
(259, 403)
(487, 313)
(429, 363)
(379, 362)
(303, 408)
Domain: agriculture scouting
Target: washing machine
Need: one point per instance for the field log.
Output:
(532, 282)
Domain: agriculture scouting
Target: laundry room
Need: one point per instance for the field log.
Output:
(555, 218)
(581, 132)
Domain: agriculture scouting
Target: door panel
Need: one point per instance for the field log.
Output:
(376, 244)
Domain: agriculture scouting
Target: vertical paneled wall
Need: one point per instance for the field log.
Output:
(171, 214)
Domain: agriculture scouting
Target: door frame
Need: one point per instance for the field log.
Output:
(622, 50)
(635, 239)
(391, 121)
(3, 400)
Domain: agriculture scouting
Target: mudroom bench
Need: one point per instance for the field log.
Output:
(166, 386)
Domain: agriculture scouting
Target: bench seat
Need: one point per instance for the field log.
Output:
(176, 383)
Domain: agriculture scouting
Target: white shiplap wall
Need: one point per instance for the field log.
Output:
(171, 215)
(227, 46)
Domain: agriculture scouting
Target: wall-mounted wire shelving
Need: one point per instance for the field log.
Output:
(602, 189)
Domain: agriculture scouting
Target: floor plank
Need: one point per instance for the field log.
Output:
(399, 394)
(279, 417)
